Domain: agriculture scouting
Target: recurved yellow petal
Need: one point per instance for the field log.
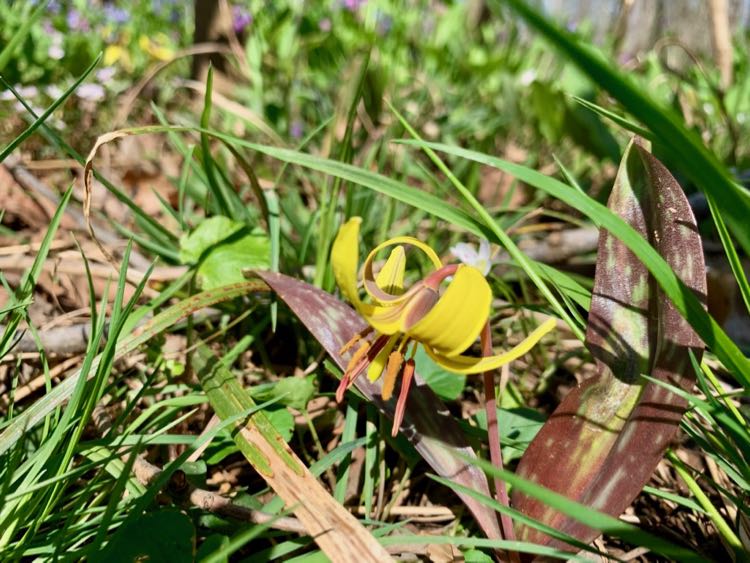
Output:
(456, 320)
(469, 365)
(344, 261)
(391, 276)
(374, 289)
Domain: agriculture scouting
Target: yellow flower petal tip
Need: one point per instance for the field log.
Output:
(470, 365)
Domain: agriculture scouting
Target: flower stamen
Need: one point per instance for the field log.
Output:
(357, 356)
(354, 339)
(361, 359)
(395, 360)
(406, 377)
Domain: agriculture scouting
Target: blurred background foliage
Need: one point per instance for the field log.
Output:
(464, 71)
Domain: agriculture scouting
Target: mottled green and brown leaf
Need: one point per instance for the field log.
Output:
(605, 439)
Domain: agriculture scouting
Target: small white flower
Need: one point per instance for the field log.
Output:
(53, 91)
(106, 74)
(527, 77)
(56, 51)
(28, 91)
(468, 254)
(24, 92)
(91, 92)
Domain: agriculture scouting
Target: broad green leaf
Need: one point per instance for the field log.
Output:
(224, 263)
(208, 234)
(222, 248)
(446, 385)
(282, 420)
(518, 427)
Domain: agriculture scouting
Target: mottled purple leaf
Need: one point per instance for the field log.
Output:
(427, 423)
(603, 442)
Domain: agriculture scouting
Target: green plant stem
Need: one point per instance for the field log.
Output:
(720, 389)
(713, 513)
(493, 437)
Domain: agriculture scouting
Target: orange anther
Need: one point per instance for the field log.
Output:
(391, 371)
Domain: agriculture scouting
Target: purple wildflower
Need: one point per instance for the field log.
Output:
(115, 14)
(352, 5)
(241, 19)
(106, 74)
(384, 24)
(324, 25)
(296, 129)
(77, 21)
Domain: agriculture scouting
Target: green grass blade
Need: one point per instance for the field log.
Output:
(42, 118)
(130, 342)
(348, 435)
(623, 122)
(585, 514)
(731, 252)
(685, 301)
(208, 163)
(26, 287)
(20, 35)
(517, 515)
(721, 525)
(330, 193)
(683, 146)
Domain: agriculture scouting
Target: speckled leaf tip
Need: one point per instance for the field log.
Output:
(604, 441)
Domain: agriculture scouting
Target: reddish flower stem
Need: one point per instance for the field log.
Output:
(493, 436)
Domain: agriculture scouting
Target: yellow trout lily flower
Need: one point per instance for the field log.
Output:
(445, 323)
